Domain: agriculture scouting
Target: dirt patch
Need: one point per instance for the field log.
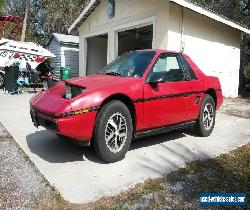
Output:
(236, 107)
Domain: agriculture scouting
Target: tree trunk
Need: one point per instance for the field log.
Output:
(25, 20)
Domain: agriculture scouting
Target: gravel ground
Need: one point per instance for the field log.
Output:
(237, 107)
(21, 185)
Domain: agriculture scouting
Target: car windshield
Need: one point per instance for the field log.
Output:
(132, 64)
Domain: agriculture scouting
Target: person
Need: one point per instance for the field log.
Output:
(44, 68)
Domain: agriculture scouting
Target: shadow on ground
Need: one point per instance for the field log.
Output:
(52, 149)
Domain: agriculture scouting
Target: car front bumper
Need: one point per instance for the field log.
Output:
(78, 127)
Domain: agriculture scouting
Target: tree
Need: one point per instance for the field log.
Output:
(25, 20)
(44, 17)
(60, 14)
(15, 8)
(236, 10)
(2, 2)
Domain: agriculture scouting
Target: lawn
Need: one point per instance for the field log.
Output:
(179, 189)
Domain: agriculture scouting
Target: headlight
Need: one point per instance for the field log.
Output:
(68, 94)
(72, 91)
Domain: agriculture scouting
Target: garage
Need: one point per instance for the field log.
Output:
(96, 53)
(212, 41)
(135, 39)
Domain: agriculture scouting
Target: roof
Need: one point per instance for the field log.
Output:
(84, 15)
(210, 14)
(24, 47)
(22, 53)
(185, 3)
(65, 39)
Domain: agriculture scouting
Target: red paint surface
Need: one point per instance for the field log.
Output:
(149, 114)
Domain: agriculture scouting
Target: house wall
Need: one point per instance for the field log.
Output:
(70, 58)
(213, 46)
(54, 47)
(129, 14)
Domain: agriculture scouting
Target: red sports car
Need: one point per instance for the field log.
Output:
(138, 94)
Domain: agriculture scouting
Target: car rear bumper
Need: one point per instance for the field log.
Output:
(78, 127)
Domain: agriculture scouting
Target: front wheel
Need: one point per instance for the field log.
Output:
(206, 121)
(113, 131)
(2, 78)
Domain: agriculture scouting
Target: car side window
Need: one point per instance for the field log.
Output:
(189, 71)
(168, 67)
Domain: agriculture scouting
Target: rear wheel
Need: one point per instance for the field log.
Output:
(206, 121)
(113, 131)
(2, 76)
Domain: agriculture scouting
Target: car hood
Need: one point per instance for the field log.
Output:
(96, 88)
(98, 81)
(51, 101)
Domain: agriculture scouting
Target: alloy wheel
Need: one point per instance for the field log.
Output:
(208, 116)
(116, 132)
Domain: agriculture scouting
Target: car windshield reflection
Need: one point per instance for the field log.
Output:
(132, 64)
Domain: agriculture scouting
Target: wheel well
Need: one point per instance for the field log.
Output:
(127, 101)
(212, 93)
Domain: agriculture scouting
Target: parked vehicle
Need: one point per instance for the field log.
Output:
(23, 55)
(139, 94)
(7, 22)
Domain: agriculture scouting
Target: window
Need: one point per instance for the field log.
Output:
(132, 64)
(168, 67)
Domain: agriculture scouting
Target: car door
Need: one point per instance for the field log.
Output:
(196, 89)
(166, 93)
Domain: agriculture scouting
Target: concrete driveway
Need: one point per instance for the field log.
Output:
(81, 177)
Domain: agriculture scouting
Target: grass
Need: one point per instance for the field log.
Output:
(226, 173)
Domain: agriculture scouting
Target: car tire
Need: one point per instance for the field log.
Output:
(2, 82)
(113, 131)
(206, 121)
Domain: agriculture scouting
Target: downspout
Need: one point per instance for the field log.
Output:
(182, 29)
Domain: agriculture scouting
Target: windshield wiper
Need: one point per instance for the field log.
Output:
(113, 73)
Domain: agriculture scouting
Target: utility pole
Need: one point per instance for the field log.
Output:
(27, 5)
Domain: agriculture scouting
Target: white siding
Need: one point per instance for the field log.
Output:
(54, 47)
(213, 46)
(70, 58)
(66, 55)
(128, 14)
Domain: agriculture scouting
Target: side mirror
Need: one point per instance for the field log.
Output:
(155, 78)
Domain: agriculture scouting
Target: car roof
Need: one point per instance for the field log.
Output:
(159, 51)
